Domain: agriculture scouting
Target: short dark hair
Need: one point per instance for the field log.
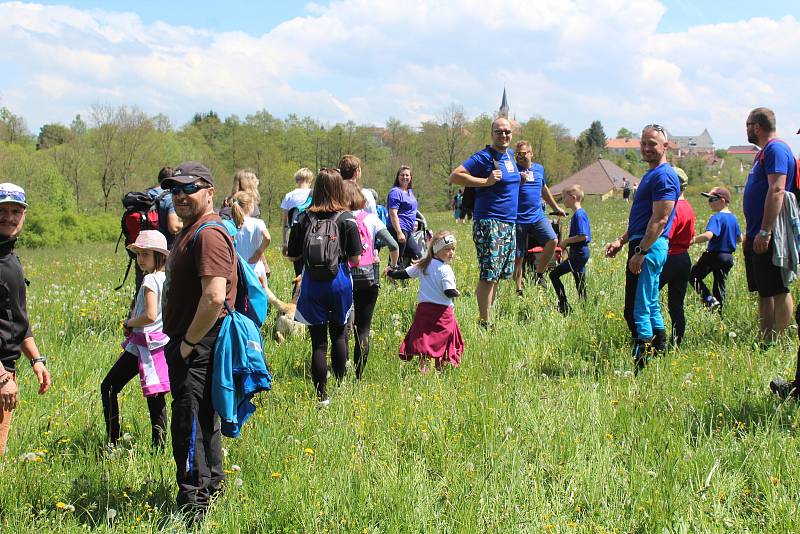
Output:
(164, 173)
(765, 118)
(348, 165)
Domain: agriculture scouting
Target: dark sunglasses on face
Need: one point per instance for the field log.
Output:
(187, 189)
(713, 198)
(500, 131)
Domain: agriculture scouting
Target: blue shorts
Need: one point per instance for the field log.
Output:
(542, 232)
(494, 243)
(325, 302)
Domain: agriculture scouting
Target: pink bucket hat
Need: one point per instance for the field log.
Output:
(150, 240)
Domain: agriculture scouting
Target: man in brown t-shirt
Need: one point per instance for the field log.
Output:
(201, 277)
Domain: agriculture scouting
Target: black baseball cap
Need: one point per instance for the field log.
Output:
(186, 173)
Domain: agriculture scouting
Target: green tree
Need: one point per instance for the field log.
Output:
(624, 133)
(51, 135)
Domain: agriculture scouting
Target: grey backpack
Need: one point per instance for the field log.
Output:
(322, 247)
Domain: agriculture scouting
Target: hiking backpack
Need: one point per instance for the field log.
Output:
(363, 272)
(796, 185)
(383, 215)
(293, 216)
(322, 247)
(141, 213)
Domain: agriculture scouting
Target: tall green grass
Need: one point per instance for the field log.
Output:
(542, 428)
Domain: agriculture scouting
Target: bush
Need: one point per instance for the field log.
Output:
(53, 227)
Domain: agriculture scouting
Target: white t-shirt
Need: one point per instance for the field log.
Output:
(370, 207)
(154, 282)
(440, 276)
(249, 239)
(294, 198)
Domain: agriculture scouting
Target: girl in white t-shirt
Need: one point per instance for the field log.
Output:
(144, 343)
(434, 332)
(253, 237)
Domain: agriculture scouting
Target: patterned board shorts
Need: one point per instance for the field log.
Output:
(495, 244)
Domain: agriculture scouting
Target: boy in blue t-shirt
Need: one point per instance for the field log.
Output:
(580, 235)
(722, 234)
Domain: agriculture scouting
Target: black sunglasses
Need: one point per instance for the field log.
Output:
(187, 189)
(713, 198)
(500, 131)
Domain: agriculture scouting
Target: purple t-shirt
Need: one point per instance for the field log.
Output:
(657, 184)
(777, 159)
(499, 201)
(406, 205)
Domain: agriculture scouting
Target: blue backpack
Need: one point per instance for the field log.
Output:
(383, 215)
(240, 368)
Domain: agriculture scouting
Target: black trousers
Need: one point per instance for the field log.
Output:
(124, 369)
(196, 436)
(408, 250)
(675, 275)
(630, 290)
(717, 263)
(363, 308)
(319, 354)
(580, 282)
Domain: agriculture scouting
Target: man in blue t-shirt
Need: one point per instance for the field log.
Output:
(762, 201)
(649, 224)
(494, 175)
(531, 220)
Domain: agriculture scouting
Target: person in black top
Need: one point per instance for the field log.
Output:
(15, 331)
(325, 305)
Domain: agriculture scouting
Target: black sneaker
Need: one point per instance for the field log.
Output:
(783, 388)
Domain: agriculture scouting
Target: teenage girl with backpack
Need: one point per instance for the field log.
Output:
(253, 237)
(434, 334)
(364, 273)
(143, 347)
(326, 298)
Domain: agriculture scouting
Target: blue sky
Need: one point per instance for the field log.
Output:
(688, 65)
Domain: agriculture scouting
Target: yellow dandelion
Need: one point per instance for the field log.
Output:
(309, 451)
(61, 505)
(276, 475)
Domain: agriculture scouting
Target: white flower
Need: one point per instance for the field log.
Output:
(69, 508)
(224, 452)
(111, 514)
(418, 398)
(509, 430)
(731, 334)
(28, 456)
(238, 482)
(235, 468)
(127, 437)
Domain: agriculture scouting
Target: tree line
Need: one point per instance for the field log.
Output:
(86, 166)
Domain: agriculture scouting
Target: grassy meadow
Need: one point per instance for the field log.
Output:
(543, 428)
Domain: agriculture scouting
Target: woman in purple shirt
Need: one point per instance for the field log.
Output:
(402, 206)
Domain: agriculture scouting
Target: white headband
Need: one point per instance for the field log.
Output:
(443, 242)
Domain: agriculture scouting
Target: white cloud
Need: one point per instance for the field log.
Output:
(366, 60)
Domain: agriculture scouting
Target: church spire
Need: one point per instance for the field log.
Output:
(503, 111)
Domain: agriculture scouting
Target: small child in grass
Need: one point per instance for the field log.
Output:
(434, 334)
(143, 347)
(577, 245)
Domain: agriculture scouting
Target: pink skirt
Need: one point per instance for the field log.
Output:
(433, 333)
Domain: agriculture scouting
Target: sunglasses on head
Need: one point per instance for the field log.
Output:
(656, 127)
(501, 131)
(14, 195)
(187, 189)
(713, 198)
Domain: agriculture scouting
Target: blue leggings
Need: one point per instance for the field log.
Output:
(646, 309)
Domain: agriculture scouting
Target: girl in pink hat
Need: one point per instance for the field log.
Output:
(144, 343)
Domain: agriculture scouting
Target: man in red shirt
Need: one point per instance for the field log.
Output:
(675, 274)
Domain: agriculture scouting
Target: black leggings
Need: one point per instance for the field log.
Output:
(363, 307)
(126, 368)
(319, 354)
(675, 275)
(717, 263)
(409, 249)
(580, 283)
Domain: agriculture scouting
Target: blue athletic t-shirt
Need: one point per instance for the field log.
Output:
(657, 184)
(500, 200)
(532, 181)
(777, 159)
(725, 228)
(579, 225)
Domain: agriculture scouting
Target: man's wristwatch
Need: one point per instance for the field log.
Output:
(764, 233)
(40, 359)
(640, 250)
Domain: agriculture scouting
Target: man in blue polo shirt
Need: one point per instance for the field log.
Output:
(649, 224)
(494, 174)
(762, 201)
(531, 220)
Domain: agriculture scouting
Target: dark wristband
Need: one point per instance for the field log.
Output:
(187, 342)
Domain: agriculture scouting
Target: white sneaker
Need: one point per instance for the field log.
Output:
(323, 404)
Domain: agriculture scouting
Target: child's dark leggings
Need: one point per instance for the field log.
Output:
(675, 275)
(363, 307)
(576, 264)
(717, 263)
(319, 354)
(125, 369)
